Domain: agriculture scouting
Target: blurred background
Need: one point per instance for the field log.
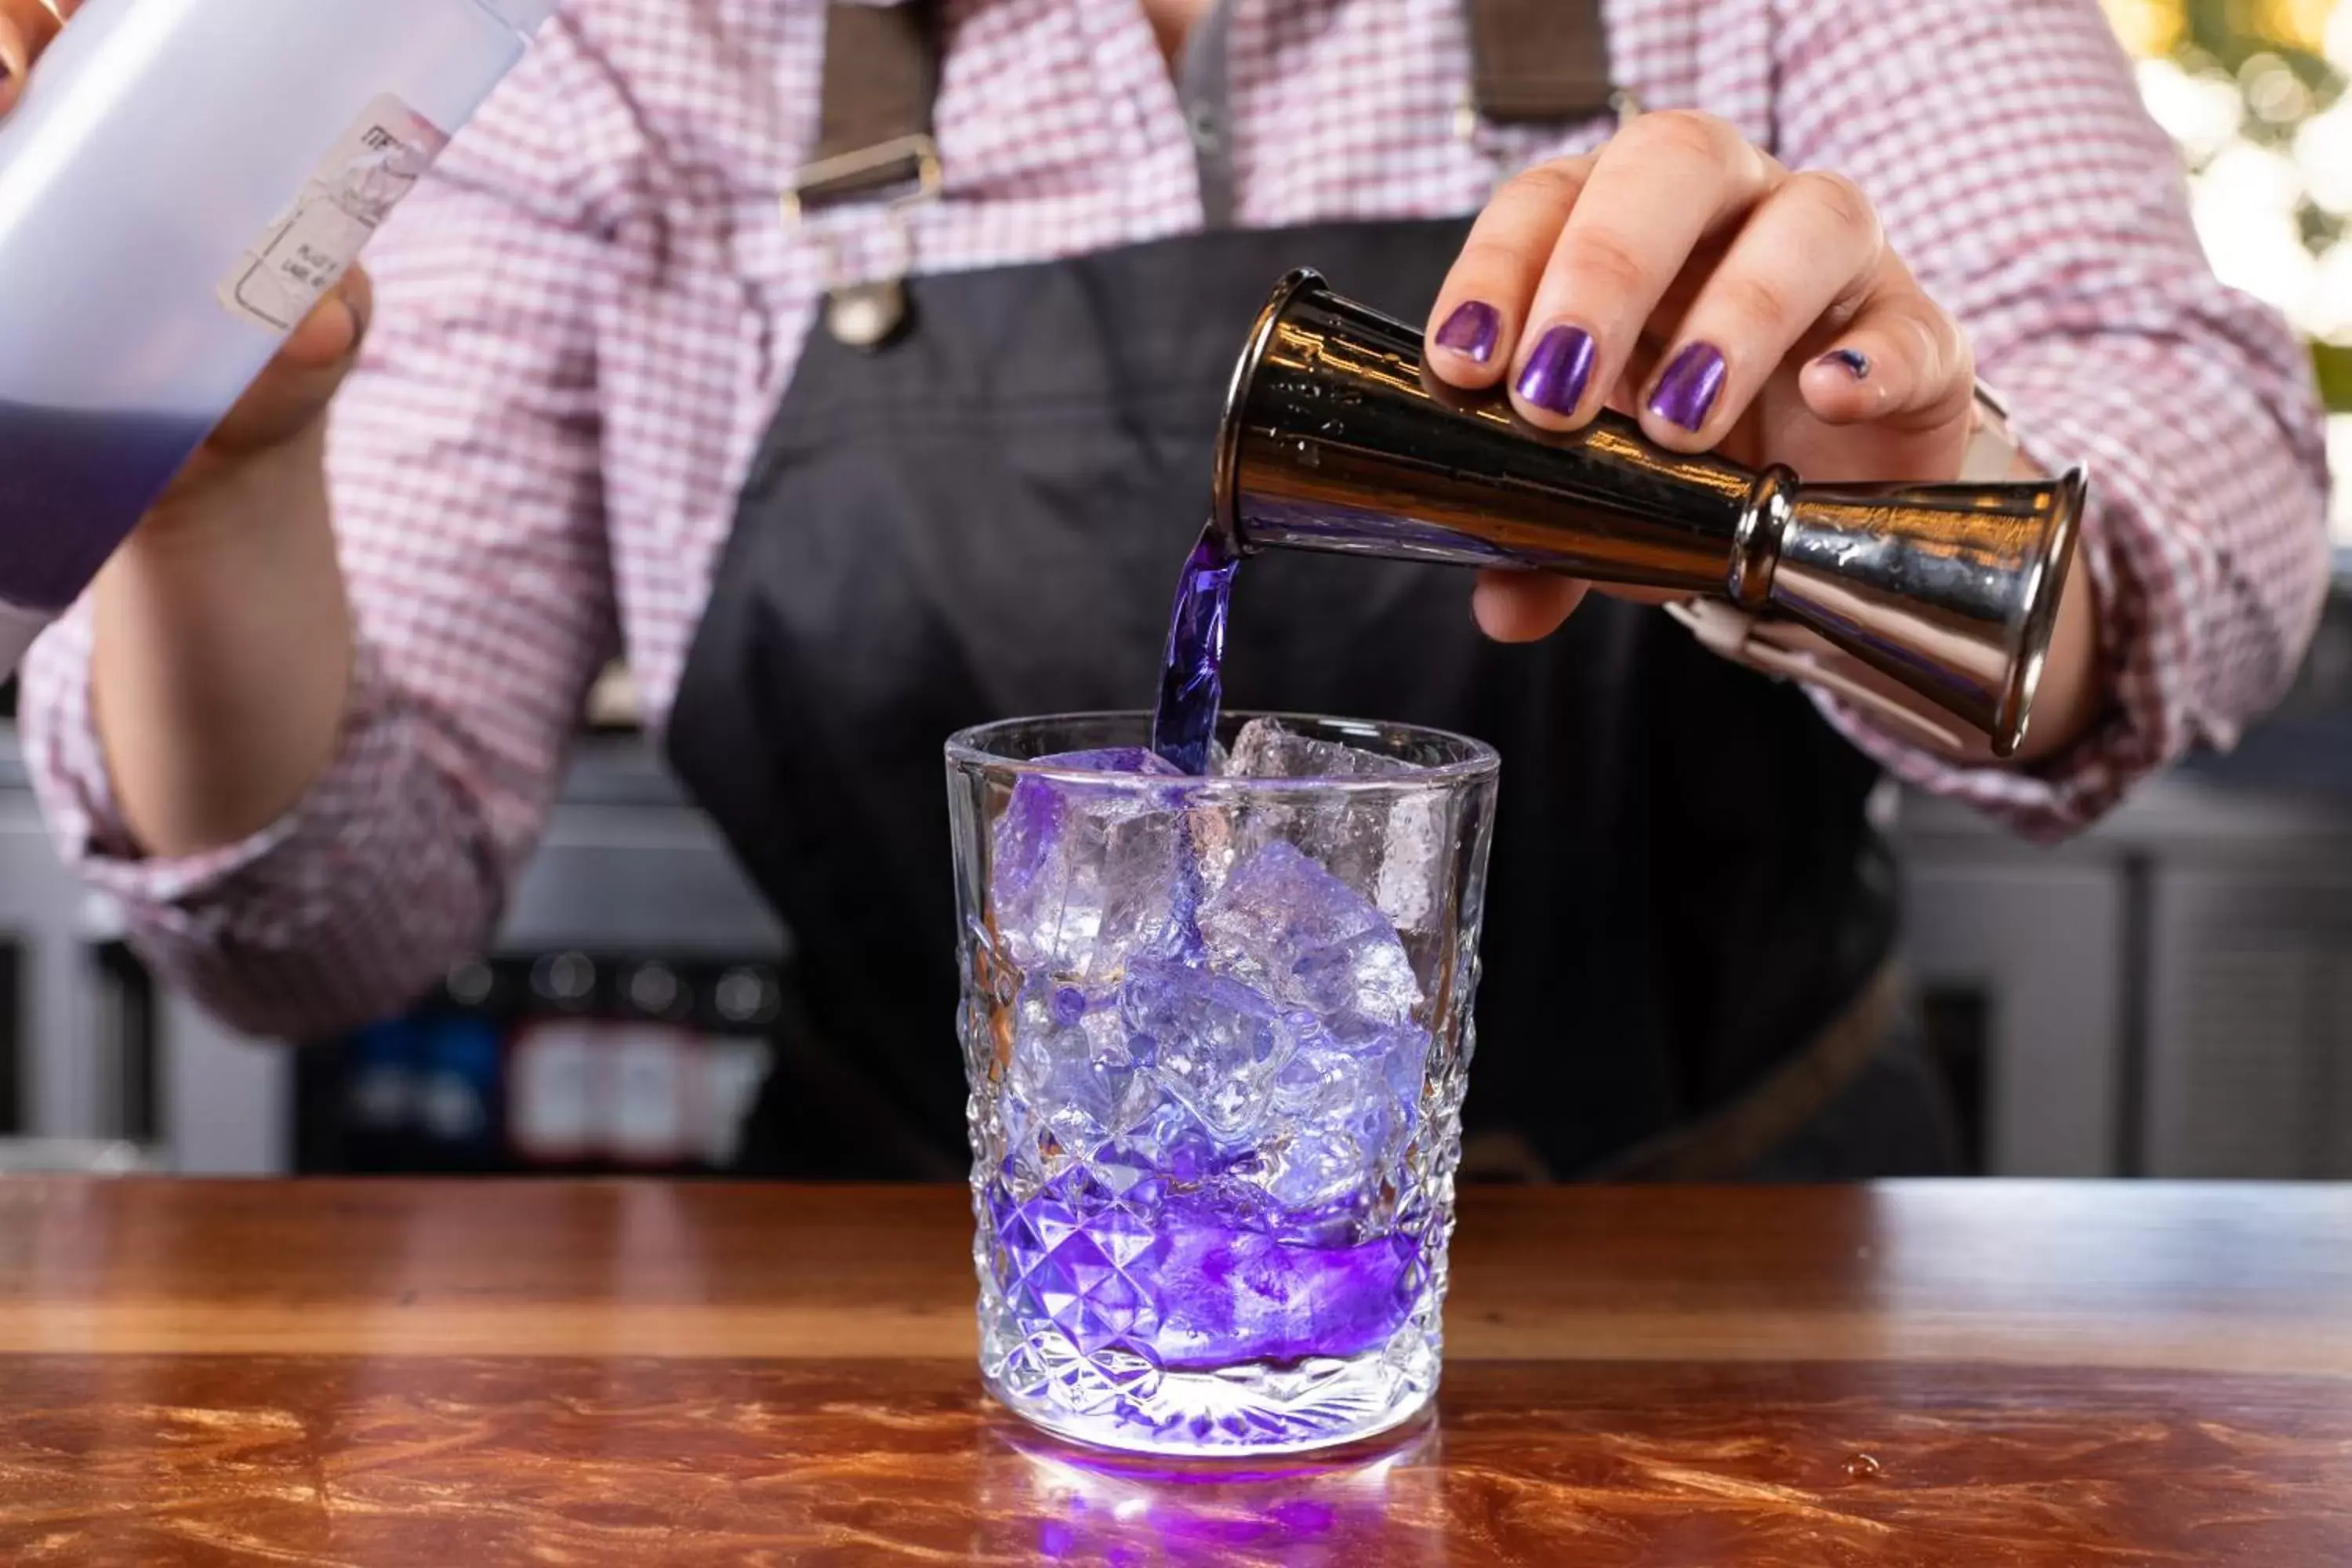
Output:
(2170, 996)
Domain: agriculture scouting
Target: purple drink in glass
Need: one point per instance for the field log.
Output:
(1216, 1027)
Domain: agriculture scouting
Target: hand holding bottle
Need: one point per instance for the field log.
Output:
(184, 185)
(291, 394)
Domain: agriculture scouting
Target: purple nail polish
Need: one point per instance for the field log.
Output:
(1687, 390)
(1472, 329)
(1856, 362)
(1557, 369)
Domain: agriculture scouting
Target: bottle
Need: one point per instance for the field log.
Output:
(180, 183)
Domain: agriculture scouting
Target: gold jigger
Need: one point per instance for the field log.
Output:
(1335, 439)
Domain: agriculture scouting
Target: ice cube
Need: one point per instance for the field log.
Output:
(1291, 929)
(1071, 1069)
(1390, 848)
(1169, 1139)
(1211, 1040)
(1084, 875)
(1110, 760)
(1313, 1166)
(1414, 846)
(1343, 1112)
(1266, 749)
(1331, 1072)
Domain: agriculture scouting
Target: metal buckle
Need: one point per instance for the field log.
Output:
(866, 315)
(1625, 103)
(810, 180)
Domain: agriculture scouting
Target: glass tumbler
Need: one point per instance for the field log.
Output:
(1217, 1030)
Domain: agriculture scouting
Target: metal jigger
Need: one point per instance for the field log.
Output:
(1335, 439)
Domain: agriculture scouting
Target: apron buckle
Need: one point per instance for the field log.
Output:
(867, 314)
(901, 161)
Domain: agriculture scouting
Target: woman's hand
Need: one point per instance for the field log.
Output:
(288, 397)
(1683, 277)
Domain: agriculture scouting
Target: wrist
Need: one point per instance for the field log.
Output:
(1993, 453)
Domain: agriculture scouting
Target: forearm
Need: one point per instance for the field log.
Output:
(222, 658)
(2048, 215)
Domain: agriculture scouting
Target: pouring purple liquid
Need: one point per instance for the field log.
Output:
(1191, 676)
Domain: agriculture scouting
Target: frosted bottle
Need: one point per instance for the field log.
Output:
(180, 183)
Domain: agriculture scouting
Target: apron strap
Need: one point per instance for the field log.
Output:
(1540, 59)
(1530, 60)
(874, 125)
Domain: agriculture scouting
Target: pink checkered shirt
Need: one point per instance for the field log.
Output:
(584, 328)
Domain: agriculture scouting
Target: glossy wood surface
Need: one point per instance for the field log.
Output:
(461, 1374)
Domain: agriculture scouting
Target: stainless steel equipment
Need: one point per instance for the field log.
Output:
(1335, 439)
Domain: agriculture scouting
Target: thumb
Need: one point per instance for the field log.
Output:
(297, 386)
(1522, 606)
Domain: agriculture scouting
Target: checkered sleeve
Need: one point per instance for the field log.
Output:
(463, 461)
(2004, 143)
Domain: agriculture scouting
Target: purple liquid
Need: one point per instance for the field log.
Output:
(1194, 1286)
(1192, 678)
(72, 486)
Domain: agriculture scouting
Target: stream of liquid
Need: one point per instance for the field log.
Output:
(1192, 677)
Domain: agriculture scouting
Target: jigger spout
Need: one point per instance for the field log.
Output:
(1334, 438)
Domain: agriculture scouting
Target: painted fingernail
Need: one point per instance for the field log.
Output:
(1557, 369)
(1856, 362)
(1687, 390)
(1472, 330)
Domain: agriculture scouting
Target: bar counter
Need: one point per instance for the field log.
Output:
(460, 1375)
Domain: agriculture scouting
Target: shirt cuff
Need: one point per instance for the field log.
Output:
(173, 894)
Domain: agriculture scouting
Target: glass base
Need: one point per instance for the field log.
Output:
(1109, 1401)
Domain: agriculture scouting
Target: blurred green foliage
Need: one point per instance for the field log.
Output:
(2274, 53)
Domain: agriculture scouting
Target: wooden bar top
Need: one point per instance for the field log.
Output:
(473, 1373)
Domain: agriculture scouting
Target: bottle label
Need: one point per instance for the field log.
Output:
(354, 188)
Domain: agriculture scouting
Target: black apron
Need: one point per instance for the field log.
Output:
(984, 518)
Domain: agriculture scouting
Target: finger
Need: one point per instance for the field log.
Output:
(1633, 594)
(1661, 187)
(322, 337)
(1810, 250)
(297, 384)
(26, 27)
(358, 290)
(333, 328)
(282, 403)
(36, 24)
(15, 58)
(1902, 362)
(1521, 606)
(1473, 327)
